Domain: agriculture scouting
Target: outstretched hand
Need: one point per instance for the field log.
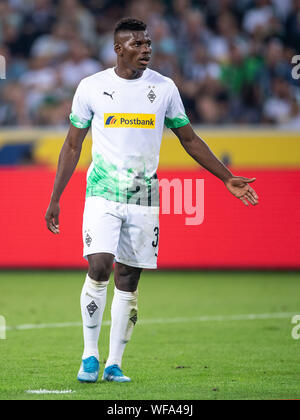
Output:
(238, 186)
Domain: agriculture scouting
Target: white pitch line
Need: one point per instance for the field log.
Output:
(46, 391)
(213, 318)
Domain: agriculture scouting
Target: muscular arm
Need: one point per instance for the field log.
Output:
(202, 154)
(67, 163)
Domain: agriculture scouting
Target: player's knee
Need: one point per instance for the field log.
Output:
(128, 284)
(127, 278)
(100, 270)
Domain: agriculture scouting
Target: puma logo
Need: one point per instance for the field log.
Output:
(109, 94)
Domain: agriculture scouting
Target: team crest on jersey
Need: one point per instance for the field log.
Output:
(129, 120)
(151, 95)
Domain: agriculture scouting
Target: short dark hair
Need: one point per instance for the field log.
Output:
(129, 24)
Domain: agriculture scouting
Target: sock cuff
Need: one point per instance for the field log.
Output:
(95, 285)
(126, 295)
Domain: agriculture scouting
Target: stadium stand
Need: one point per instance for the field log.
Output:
(232, 60)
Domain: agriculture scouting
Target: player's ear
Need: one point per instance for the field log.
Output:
(118, 48)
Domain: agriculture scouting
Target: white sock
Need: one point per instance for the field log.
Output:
(92, 301)
(123, 319)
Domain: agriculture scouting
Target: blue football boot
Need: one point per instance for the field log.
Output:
(114, 373)
(89, 370)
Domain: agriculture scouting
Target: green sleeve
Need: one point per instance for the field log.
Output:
(79, 124)
(177, 122)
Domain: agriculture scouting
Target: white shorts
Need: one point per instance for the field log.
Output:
(128, 231)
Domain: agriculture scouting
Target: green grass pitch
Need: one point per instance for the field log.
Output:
(192, 340)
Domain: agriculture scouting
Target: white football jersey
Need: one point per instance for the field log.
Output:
(127, 118)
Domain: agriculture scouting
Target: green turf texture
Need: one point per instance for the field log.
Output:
(229, 359)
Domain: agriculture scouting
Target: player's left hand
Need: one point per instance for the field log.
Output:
(238, 186)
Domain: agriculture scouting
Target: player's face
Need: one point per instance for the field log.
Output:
(135, 49)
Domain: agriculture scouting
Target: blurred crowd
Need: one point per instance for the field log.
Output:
(231, 59)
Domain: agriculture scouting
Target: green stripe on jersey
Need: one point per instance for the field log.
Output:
(77, 123)
(177, 122)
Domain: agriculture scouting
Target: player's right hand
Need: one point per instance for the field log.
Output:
(52, 217)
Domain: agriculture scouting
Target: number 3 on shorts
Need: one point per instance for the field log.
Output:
(156, 232)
